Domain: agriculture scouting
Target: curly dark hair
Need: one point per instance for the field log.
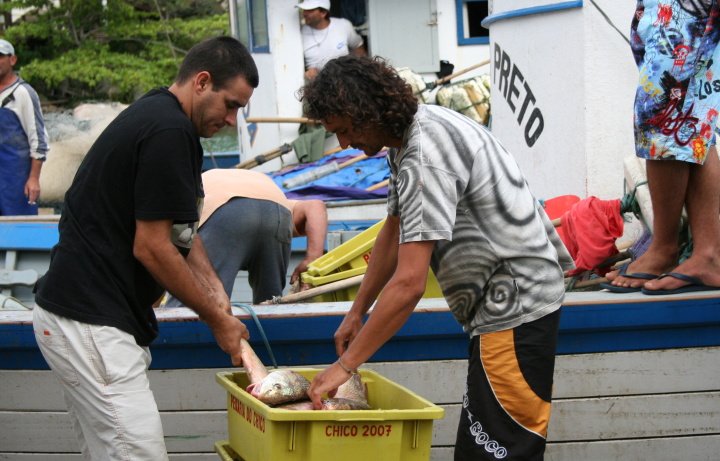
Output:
(368, 90)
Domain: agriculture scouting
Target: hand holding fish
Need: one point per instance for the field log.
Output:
(327, 382)
(288, 389)
(229, 333)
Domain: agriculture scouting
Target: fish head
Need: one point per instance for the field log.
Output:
(280, 386)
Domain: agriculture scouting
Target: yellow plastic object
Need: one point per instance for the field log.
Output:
(351, 259)
(352, 254)
(222, 448)
(397, 428)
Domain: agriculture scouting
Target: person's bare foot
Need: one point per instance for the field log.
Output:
(639, 272)
(705, 269)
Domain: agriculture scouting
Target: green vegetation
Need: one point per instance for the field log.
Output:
(78, 50)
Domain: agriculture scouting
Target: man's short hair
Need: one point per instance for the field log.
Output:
(368, 90)
(224, 58)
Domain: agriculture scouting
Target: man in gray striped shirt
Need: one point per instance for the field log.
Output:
(457, 202)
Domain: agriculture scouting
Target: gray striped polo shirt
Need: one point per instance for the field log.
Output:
(497, 258)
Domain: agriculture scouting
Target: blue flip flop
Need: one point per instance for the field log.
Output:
(694, 284)
(634, 275)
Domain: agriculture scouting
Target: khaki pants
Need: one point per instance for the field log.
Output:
(104, 377)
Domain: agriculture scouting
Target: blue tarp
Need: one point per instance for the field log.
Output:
(348, 183)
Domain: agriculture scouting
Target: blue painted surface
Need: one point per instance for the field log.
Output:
(220, 160)
(460, 26)
(300, 243)
(520, 12)
(28, 236)
(637, 326)
(426, 336)
(43, 236)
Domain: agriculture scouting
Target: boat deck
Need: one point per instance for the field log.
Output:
(301, 334)
(636, 376)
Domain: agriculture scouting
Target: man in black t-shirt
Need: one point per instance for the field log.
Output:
(127, 232)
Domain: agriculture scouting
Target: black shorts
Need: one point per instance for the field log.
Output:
(506, 406)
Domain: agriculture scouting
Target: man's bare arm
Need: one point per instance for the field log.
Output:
(382, 265)
(202, 267)
(154, 249)
(310, 219)
(395, 304)
(32, 185)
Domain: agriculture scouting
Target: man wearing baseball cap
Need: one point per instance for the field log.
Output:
(23, 139)
(325, 38)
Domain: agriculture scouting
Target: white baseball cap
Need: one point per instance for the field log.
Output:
(312, 4)
(6, 48)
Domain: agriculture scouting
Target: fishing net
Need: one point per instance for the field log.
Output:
(470, 97)
(416, 82)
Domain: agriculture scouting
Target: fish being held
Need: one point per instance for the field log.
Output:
(285, 386)
(254, 368)
(351, 395)
(280, 386)
(353, 389)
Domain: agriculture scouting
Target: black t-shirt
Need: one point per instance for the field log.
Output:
(146, 165)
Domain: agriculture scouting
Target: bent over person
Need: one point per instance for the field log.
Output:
(128, 231)
(457, 202)
(248, 224)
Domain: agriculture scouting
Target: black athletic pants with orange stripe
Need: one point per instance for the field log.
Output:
(506, 406)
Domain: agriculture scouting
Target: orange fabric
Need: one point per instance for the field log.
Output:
(222, 184)
(589, 230)
(497, 352)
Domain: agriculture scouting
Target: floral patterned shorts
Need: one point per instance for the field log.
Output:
(675, 45)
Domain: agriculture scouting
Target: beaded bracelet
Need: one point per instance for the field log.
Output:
(347, 370)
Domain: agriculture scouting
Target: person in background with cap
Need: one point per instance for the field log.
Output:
(325, 38)
(23, 139)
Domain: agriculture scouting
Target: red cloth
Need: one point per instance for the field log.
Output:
(557, 206)
(589, 230)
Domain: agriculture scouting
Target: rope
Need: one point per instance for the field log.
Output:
(252, 313)
(212, 157)
(609, 21)
(571, 284)
(5, 299)
(629, 203)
